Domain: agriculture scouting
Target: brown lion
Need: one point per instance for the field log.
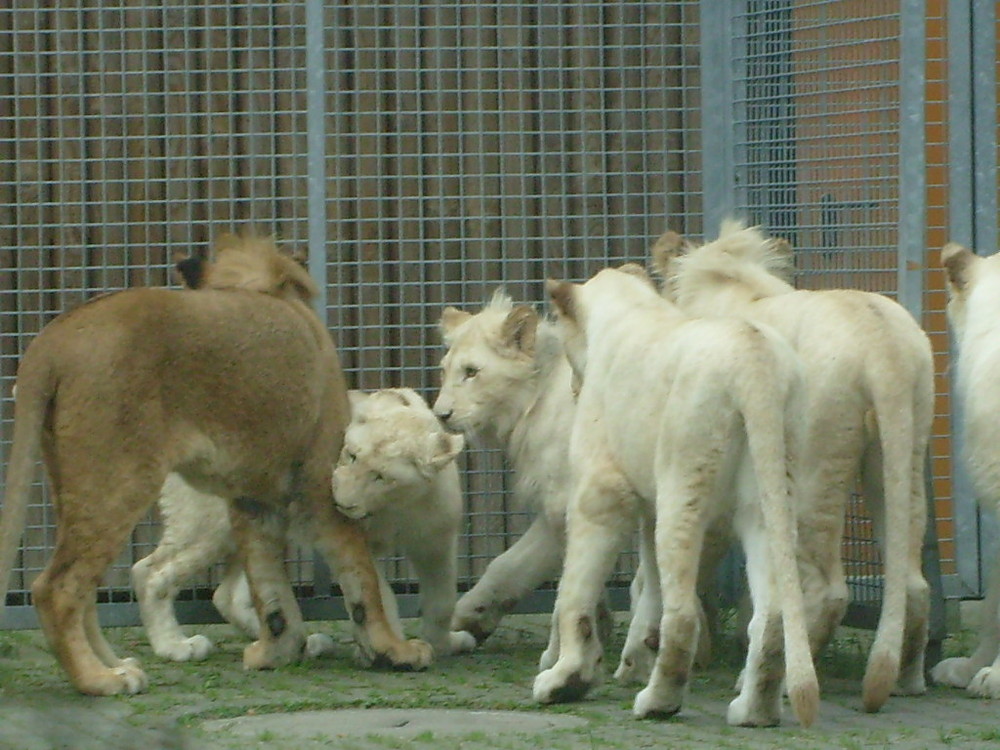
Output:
(234, 385)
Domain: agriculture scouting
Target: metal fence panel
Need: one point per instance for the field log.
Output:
(425, 152)
(839, 146)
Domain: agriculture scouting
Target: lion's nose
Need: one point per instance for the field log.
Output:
(444, 416)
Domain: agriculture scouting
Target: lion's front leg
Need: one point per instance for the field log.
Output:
(979, 672)
(343, 544)
(530, 561)
(600, 518)
(260, 535)
(437, 570)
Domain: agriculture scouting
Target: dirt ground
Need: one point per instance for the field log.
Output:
(482, 701)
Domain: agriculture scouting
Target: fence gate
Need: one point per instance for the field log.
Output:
(425, 152)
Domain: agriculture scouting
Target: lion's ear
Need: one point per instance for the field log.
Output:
(519, 329)
(357, 400)
(451, 318)
(191, 270)
(445, 446)
(634, 269)
(958, 262)
(669, 246)
(782, 247)
(563, 296)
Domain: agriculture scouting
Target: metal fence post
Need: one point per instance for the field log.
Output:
(972, 211)
(316, 191)
(717, 112)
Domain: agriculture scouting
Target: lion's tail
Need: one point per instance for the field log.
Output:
(767, 413)
(31, 396)
(903, 433)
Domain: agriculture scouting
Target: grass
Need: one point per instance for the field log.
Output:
(496, 677)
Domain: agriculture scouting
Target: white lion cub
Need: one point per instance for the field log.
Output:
(974, 313)
(681, 420)
(869, 404)
(397, 472)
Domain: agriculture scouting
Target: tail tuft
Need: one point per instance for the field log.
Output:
(880, 677)
(804, 697)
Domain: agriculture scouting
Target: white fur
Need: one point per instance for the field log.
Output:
(974, 313)
(506, 384)
(414, 503)
(868, 371)
(679, 420)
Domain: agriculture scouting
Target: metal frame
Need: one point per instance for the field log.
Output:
(972, 210)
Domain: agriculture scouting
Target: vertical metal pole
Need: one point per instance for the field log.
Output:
(316, 147)
(972, 210)
(984, 123)
(316, 191)
(912, 156)
(717, 113)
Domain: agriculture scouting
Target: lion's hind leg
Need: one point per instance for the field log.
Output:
(759, 701)
(261, 535)
(680, 537)
(65, 592)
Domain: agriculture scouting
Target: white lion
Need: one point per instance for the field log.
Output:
(974, 313)
(397, 472)
(679, 420)
(868, 370)
(506, 384)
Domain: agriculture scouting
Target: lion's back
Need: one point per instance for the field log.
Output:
(212, 378)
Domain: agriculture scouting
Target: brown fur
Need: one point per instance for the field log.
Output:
(237, 388)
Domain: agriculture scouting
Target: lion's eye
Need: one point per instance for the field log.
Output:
(351, 457)
(471, 372)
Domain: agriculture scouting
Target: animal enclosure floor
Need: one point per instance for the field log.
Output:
(215, 704)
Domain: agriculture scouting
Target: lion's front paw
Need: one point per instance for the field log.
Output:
(480, 621)
(552, 686)
(956, 672)
(652, 704)
(636, 664)
(744, 713)
(985, 683)
(273, 654)
(133, 679)
(413, 654)
(461, 642)
(195, 648)
(125, 678)
(318, 644)
(549, 657)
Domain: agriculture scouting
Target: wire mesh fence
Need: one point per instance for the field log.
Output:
(438, 150)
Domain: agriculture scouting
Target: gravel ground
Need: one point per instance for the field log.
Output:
(479, 701)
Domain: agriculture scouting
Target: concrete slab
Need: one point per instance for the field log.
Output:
(391, 722)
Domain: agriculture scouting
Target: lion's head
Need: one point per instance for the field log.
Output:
(488, 372)
(393, 448)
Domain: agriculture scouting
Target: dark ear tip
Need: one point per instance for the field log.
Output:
(192, 270)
